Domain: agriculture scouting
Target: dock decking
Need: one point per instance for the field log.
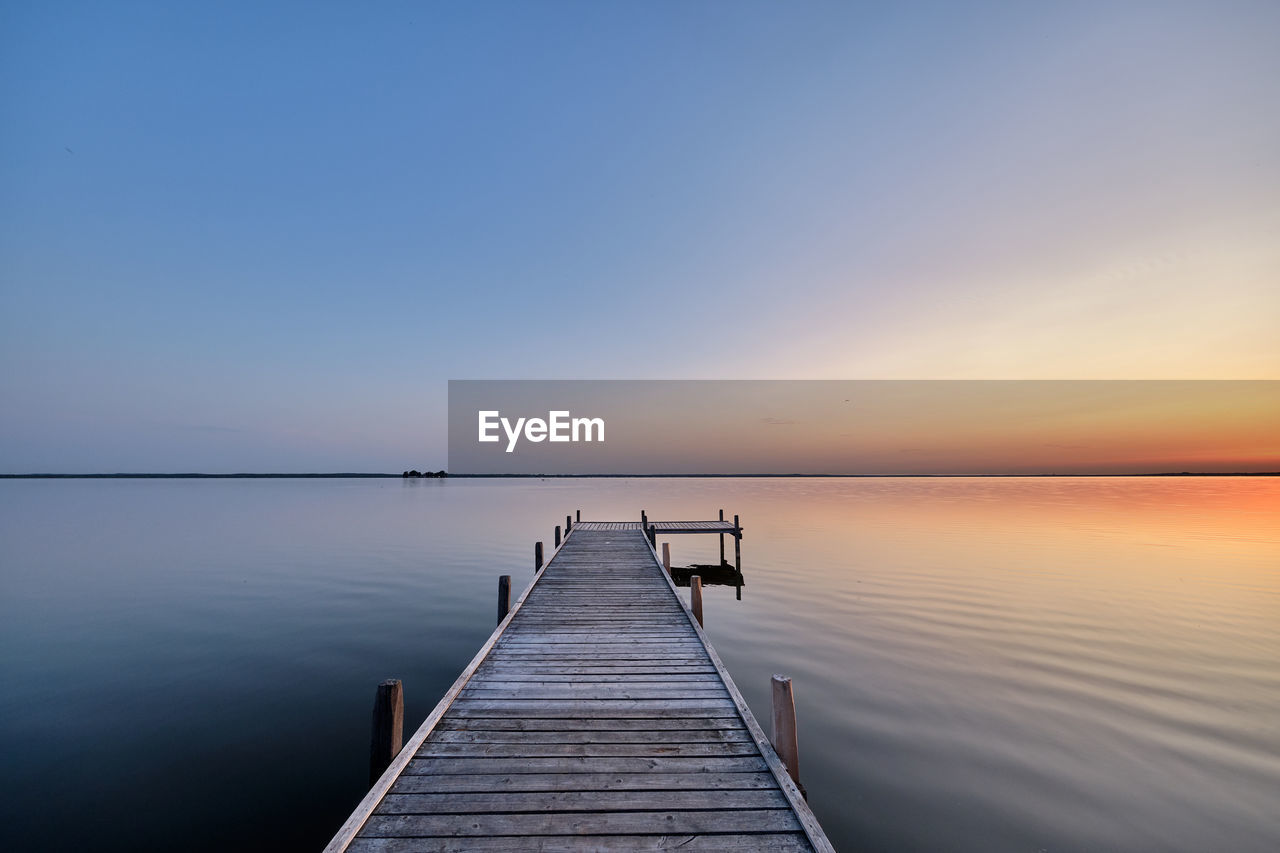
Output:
(662, 526)
(596, 717)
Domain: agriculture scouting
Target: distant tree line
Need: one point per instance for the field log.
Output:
(416, 473)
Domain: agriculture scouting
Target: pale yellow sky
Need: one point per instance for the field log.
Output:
(1202, 308)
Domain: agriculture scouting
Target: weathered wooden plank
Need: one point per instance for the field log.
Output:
(558, 666)
(582, 669)
(572, 642)
(583, 632)
(595, 611)
(551, 613)
(586, 750)
(616, 592)
(621, 651)
(586, 801)
(634, 664)
(586, 607)
(550, 616)
(560, 621)
(599, 577)
(631, 688)
(569, 650)
(592, 707)
(502, 675)
(611, 585)
(561, 625)
(675, 725)
(789, 842)
(444, 766)
(605, 823)
(616, 598)
(592, 692)
(580, 658)
(645, 781)
(636, 605)
(595, 628)
(520, 688)
(556, 614)
(514, 654)
(650, 736)
(538, 658)
(608, 580)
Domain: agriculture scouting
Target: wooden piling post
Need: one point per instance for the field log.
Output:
(578, 516)
(568, 524)
(722, 540)
(653, 536)
(784, 726)
(644, 519)
(737, 545)
(537, 556)
(557, 536)
(388, 727)
(666, 556)
(695, 597)
(504, 597)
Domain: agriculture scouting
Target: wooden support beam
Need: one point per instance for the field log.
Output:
(695, 598)
(388, 727)
(784, 726)
(537, 556)
(653, 536)
(557, 536)
(568, 524)
(504, 597)
(578, 516)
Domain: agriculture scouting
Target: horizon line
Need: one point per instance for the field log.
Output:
(376, 475)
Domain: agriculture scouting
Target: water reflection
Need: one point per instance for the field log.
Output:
(712, 575)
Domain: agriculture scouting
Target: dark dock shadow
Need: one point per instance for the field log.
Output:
(711, 574)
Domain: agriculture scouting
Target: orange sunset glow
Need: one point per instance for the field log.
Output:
(887, 427)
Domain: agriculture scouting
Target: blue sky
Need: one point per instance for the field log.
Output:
(263, 236)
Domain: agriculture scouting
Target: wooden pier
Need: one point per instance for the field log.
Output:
(597, 717)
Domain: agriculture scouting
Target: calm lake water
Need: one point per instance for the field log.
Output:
(980, 664)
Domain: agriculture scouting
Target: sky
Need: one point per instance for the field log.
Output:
(262, 237)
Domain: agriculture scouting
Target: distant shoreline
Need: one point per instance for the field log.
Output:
(196, 476)
(372, 476)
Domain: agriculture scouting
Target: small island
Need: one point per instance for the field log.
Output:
(416, 473)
